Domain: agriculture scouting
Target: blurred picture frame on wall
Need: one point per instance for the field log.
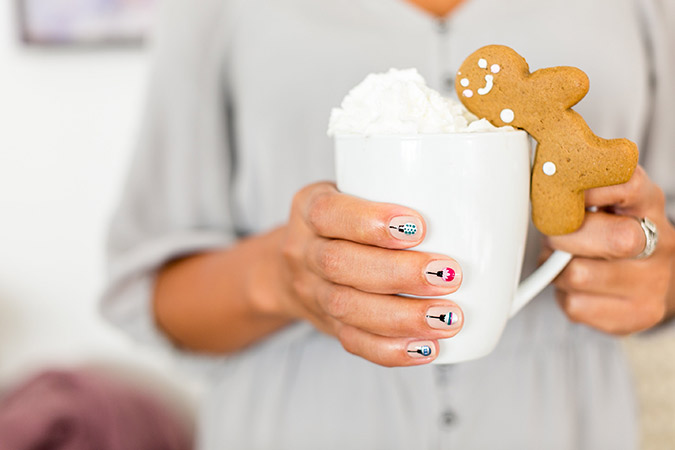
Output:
(65, 23)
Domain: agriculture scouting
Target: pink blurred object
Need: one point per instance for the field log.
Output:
(84, 410)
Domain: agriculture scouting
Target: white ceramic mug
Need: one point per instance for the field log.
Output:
(473, 191)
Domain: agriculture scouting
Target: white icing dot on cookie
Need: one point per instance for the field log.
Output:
(467, 93)
(507, 115)
(549, 168)
(482, 63)
(495, 68)
(464, 82)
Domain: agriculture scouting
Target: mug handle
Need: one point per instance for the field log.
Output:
(540, 278)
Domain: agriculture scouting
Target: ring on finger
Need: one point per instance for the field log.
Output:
(651, 237)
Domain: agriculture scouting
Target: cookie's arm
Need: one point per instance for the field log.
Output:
(565, 86)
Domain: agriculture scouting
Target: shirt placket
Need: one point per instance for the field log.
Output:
(444, 82)
(447, 421)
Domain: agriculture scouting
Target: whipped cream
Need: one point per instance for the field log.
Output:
(400, 102)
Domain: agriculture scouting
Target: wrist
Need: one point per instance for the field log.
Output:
(264, 280)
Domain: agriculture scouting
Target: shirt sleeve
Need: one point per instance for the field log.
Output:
(176, 198)
(659, 150)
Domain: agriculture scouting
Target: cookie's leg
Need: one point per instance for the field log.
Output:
(556, 209)
(556, 191)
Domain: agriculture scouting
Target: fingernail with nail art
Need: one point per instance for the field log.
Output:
(406, 228)
(443, 273)
(421, 349)
(443, 318)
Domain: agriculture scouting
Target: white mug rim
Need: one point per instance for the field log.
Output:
(421, 136)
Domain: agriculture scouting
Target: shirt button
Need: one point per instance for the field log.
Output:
(447, 419)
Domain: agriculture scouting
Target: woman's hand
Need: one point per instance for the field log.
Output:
(604, 286)
(341, 265)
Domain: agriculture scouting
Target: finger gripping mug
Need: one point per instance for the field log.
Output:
(473, 191)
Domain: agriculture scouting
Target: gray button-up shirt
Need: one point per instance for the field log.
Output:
(236, 124)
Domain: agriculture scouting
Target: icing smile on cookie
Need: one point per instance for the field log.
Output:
(488, 85)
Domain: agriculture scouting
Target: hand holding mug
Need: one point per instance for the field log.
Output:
(342, 264)
(604, 286)
(473, 191)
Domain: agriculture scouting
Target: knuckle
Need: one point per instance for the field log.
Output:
(301, 287)
(328, 258)
(405, 270)
(659, 198)
(344, 336)
(290, 252)
(319, 202)
(301, 196)
(337, 302)
(571, 309)
(578, 274)
(386, 355)
(625, 239)
(381, 354)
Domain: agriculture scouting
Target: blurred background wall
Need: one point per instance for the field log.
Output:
(67, 125)
(68, 120)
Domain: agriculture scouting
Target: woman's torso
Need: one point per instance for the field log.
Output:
(550, 384)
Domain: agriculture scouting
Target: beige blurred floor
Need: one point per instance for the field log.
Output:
(653, 362)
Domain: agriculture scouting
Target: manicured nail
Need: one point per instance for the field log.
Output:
(443, 317)
(406, 228)
(443, 273)
(421, 349)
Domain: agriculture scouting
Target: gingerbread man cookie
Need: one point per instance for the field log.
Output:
(495, 82)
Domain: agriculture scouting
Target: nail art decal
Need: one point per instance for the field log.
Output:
(443, 317)
(421, 349)
(406, 228)
(443, 273)
(447, 274)
(448, 318)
